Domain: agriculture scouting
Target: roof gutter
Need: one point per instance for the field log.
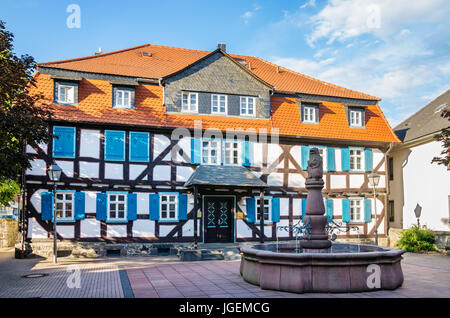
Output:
(160, 83)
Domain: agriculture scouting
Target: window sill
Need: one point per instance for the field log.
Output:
(265, 223)
(139, 161)
(169, 221)
(117, 221)
(62, 157)
(310, 122)
(65, 220)
(123, 107)
(65, 104)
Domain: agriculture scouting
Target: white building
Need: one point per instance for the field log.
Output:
(414, 179)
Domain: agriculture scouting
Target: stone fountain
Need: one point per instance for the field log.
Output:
(320, 265)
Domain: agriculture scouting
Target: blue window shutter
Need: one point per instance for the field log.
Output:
(251, 210)
(369, 159)
(303, 208)
(139, 146)
(331, 165)
(305, 157)
(367, 210)
(154, 206)
(63, 142)
(132, 206)
(102, 201)
(345, 159)
(79, 205)
(246, 153)
(47, 206)
(182, 206)
(329, 209)
(346, 210)
(114, 145)
(195, 151)
(275, 209)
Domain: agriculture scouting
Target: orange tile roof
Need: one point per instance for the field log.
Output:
(166, 60)
(94, 106)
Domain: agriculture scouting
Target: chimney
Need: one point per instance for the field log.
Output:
(99, 51)
(222, 46)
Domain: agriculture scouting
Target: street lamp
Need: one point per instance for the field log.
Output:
(374, 178)
(54, 174)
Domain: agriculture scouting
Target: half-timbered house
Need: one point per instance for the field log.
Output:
(168, 145)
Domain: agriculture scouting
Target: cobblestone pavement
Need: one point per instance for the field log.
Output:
(154, 277)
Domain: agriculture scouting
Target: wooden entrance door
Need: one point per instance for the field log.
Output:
(218, 221)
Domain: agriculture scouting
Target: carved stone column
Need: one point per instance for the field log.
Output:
(315, 209)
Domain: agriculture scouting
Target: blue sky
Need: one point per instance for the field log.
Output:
(396, 50)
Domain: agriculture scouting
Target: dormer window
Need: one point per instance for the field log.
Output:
(66, 93)
(247, 105)
(123, 97)
(189, 102)
(219, 104)
(310, 114)
(356, 117)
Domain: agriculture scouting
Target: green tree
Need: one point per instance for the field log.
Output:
(8, 190)
(444, 137)
(23, 120)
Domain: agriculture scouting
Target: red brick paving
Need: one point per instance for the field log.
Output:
(425, 276)
(221, 279)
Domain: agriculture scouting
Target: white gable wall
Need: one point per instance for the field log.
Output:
(428, 185)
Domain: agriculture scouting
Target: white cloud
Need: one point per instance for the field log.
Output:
(310, 3)
(249, 14)
(344, 19)
(445, 69)
(304, 66)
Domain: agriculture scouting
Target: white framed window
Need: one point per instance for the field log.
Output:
(189, 102)
(309, 114)
(357, 210)
(219, 104)
(232, 152)
(117, 206)
(64, 202)
(247, 105)
(66, 94)
(356, 159)
(211, 151)
(267, 208)
(123, 98)
(356, 117)
(168, 207)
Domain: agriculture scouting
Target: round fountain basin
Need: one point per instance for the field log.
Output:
(343, 268)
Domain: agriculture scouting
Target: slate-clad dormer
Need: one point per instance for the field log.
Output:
(217, 85)
(65, 90)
